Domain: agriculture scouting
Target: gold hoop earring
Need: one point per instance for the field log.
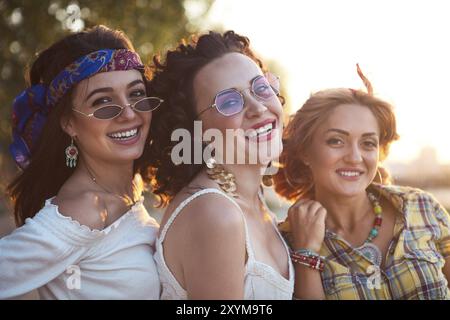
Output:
(267, 179)
(381, 177)
(287, 179)
(380, 183)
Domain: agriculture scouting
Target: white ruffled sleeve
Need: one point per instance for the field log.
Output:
(39, 251)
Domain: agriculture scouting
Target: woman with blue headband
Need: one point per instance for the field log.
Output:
(79, 132)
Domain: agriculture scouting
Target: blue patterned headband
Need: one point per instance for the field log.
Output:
(32, 106)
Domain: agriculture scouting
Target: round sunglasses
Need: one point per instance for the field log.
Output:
(231, 101)
(112, 111)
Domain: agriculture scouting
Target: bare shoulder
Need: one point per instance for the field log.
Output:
(87, 208)
(209, 216)
(214, 210)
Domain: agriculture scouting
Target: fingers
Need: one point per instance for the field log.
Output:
(314, 207)
(321, 214)
(306, 207)
(307, 221)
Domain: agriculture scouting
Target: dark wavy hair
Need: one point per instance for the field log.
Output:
(47, 171)
(173, 82)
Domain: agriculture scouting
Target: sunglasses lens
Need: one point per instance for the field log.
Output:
(263, 88)
(229, 102)
(147, 104)
(107, 112)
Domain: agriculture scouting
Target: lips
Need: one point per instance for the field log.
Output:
(350, 172)
(125, 134)
(261, 129)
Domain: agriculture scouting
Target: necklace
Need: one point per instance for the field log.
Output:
(129, 200)
(368, 249)
(378, 218)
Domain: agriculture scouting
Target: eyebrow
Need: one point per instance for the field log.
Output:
(109, 89)
(367, 134)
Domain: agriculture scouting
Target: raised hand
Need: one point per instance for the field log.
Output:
(307, 224)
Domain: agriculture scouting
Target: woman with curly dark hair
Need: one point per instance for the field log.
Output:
(218, 238)
(354, 235)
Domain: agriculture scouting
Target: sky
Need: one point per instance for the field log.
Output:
(402, 47)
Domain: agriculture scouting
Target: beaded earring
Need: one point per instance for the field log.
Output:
(71, 155)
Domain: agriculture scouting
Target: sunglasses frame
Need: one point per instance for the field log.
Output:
(131, 105)
(214, 105)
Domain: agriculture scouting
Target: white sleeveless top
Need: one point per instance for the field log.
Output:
(261, 282)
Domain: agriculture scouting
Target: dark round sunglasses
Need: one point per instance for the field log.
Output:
(112, 111)
(231, 101)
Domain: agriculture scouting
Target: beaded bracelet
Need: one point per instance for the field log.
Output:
(315, 263)
(308, 258)
(307, 252)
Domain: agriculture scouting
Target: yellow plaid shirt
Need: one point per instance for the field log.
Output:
(415, 258)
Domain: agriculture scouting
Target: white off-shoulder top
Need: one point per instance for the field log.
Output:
(66, 260)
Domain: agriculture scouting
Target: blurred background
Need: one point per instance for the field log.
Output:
(402, 47)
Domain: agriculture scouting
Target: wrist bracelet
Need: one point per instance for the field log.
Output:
(308, 253)
(316, 262)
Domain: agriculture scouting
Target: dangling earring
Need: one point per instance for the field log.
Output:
(224, 179)
(71, 155)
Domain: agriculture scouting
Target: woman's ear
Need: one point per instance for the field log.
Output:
(67, 126)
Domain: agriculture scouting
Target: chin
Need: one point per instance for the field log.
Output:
(350, 191)
(129, 155)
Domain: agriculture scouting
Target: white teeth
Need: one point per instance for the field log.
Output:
(124, 134)
(260, 131)
(350, 173)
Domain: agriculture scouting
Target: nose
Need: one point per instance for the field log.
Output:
(253, 107)
(354, 154)
(127, 113)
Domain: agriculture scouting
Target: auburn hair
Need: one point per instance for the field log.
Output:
(294, 179)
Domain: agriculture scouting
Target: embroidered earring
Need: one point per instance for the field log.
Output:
(224, 179)
(71, 155)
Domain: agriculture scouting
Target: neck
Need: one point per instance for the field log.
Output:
(248, 181)
(113, 178)
(344, 213)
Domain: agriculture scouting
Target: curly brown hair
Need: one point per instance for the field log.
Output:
(173, 81)
(294, 180)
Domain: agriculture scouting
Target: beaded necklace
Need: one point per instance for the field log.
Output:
(368, 249)
(378, 219)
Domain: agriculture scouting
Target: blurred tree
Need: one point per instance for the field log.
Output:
(27, 27)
